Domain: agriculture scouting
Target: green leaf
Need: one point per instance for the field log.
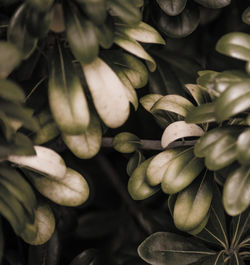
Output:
(236, 192)
(246, 16)
(47, 133)
(135, 48)
(141, 32)
(233, 101)
(105, 35)
(179, 129)
(193, 203)
(71, 190)
(138, 187)
(126, 11)
(182, 170)
(22, 145)
(67, 100)
(173, 103)
(108, 93)
(236, 44)
(201, 114)
(178, 26)
(172, 7)
(163, 248)
(159, 164)
(199, 94)
(18, 33)
(87, 144)
(243, 153)
(45, 223)
(10, 58)
(11, 91)
(81, 35)
(240, 227)
(134, 162)
(126, 142)
(213, 4)
(149, 100)
(87, 257)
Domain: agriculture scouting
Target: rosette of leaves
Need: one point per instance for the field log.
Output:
(179, 18)
(220, 242)
(87, 85)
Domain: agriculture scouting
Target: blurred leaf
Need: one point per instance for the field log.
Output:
(40, 5)
(18, 33)
(105, 35)
(243, 153)
(11, 91)
(10, 58)
(236, 192)
(173, 249)
(236, 44)
(126, 142)
(213, 4)
(179, 129)
(246, 16)
(199, 94)
(138, 187)
(57, 24)
(134, 162)
(172, 7)
(87, 257)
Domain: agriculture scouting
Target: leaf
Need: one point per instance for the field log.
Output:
(235, 44)
(134, 162)
(213, 4)
(87, 257)
(172, 7)
(182, 170)
(67, 100)
(243, 153)
(135, 48)
(46, 254)
(166, 248)
(41, 5)
(71, 190)
(193, 203)
(57, 24)
(236, 192)
(126, 142)
(10, 58)
(217, 259)
(11, 91)
(138, 187)
(159, 164)
(240, 227)
(105, 34)
(141, 32)
(45, 223)
(246, 16)
(178, 26)
(177, 130)
(46, 161)
(233, 101)
(199, 94)
(201, 114)
(18, 33)
(125, 11)
(47, 133)
(108, 93)
(87, 144)
(22, 146)
(81, 35)
(173, 103)
(149, 100)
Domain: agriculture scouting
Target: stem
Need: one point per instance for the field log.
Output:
(119, 186)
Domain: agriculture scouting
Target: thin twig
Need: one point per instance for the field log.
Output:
(35, 87)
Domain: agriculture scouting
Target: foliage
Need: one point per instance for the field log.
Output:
(68, 73)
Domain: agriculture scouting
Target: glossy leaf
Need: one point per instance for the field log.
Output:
(243, 153)
(149, 100)
(213, 4)
(236, 192)
(138, 187)
(126, 142)
(141, 32)
(134, 162)
(179, 129)
(236, 44)
(159, 164)
(87, 144)
(18, 33)
(181, 171)
(108, 93)
(173, 249)
(172, 7)
(132, 46)
(193, 203)
(233, 101)
(10, 57)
